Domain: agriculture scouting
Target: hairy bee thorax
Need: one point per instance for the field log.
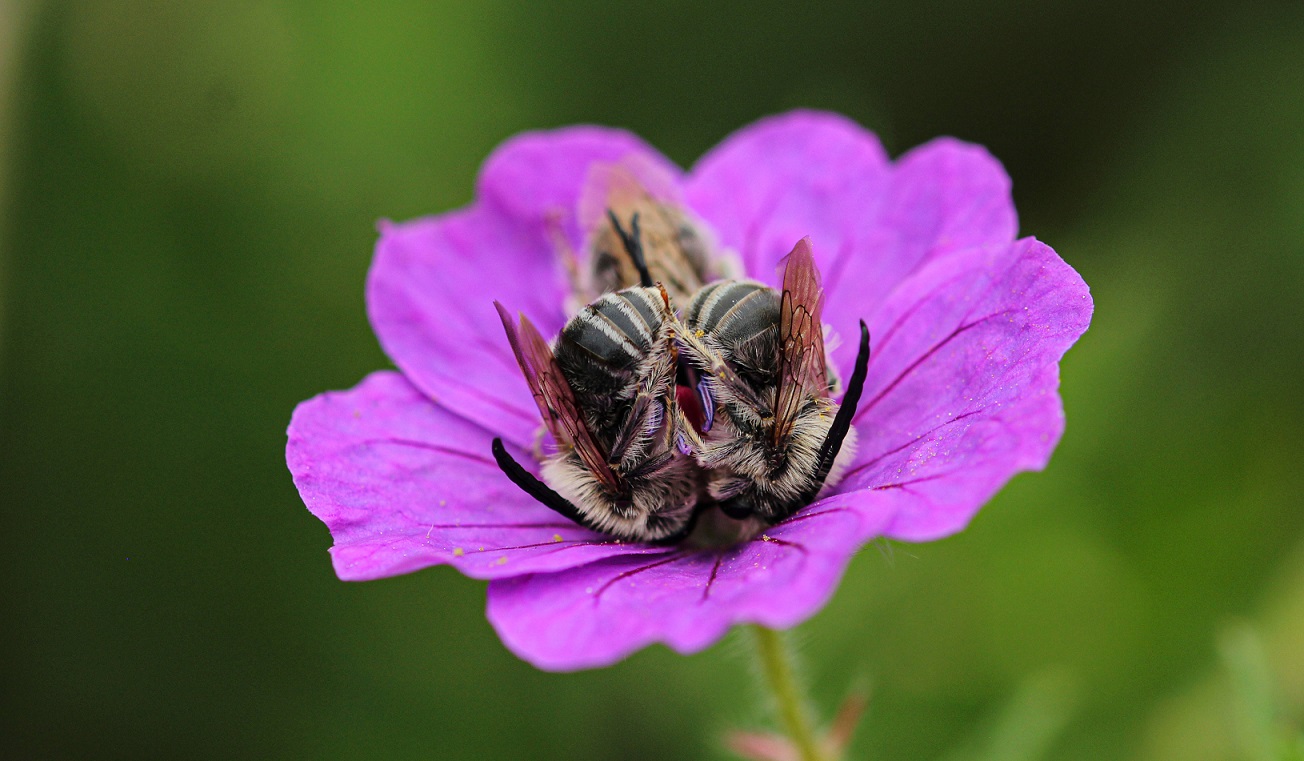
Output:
(774, 479)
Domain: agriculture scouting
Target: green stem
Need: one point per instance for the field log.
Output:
(776, 663)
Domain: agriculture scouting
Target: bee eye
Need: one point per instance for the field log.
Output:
(737, 508)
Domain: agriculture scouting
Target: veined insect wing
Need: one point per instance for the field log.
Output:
(623, 186)
(673, 248)
(802, 372)
(552, 393)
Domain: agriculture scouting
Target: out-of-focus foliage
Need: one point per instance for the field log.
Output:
(13, 18)
(1026, 728)
(190, 191)
(1250, 708)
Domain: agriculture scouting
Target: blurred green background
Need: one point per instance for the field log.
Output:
(189, 195)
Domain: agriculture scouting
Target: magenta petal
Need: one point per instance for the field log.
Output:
(403, 484)
(943, 196)
(539, 175)
(871, 222)
(946, 195)
(962, 388)
(597, 614)
(433, 282)
(804, 173)
(430, 297)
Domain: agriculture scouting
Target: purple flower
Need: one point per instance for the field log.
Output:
(968, 327)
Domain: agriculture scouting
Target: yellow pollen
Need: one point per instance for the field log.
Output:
(457, 552)
(556, 537)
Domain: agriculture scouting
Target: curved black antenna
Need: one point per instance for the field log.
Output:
(551, 499)
(634, 245)
(536, 488)
(846, 413)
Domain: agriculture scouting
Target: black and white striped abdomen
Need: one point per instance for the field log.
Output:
(734, 312)
(617, 330)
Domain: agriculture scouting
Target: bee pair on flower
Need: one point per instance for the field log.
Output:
(660, 415)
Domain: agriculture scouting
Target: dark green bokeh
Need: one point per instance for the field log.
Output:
(191, 191)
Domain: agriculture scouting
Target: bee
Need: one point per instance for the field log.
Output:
(606, 392)
(772, 434)
(635, 193)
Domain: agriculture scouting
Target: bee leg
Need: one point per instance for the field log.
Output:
(651, 465)
(708, 405)
(721, 382)
(630, 430)
(647, 414)
(686, 438)
(634, 245)
(536, 488)
(846, 413)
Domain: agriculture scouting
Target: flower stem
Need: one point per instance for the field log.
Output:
(780, 674)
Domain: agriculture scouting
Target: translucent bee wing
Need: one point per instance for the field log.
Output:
(617, 193)
(553, 394)
(802, 370)
(531, 377)
(622, 186)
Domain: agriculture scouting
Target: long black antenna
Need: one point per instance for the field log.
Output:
(634, 245)
(846, 413)
(536, 488)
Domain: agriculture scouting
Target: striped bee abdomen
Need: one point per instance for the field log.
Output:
(601, 351)
(741, 318)
(616, 330)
